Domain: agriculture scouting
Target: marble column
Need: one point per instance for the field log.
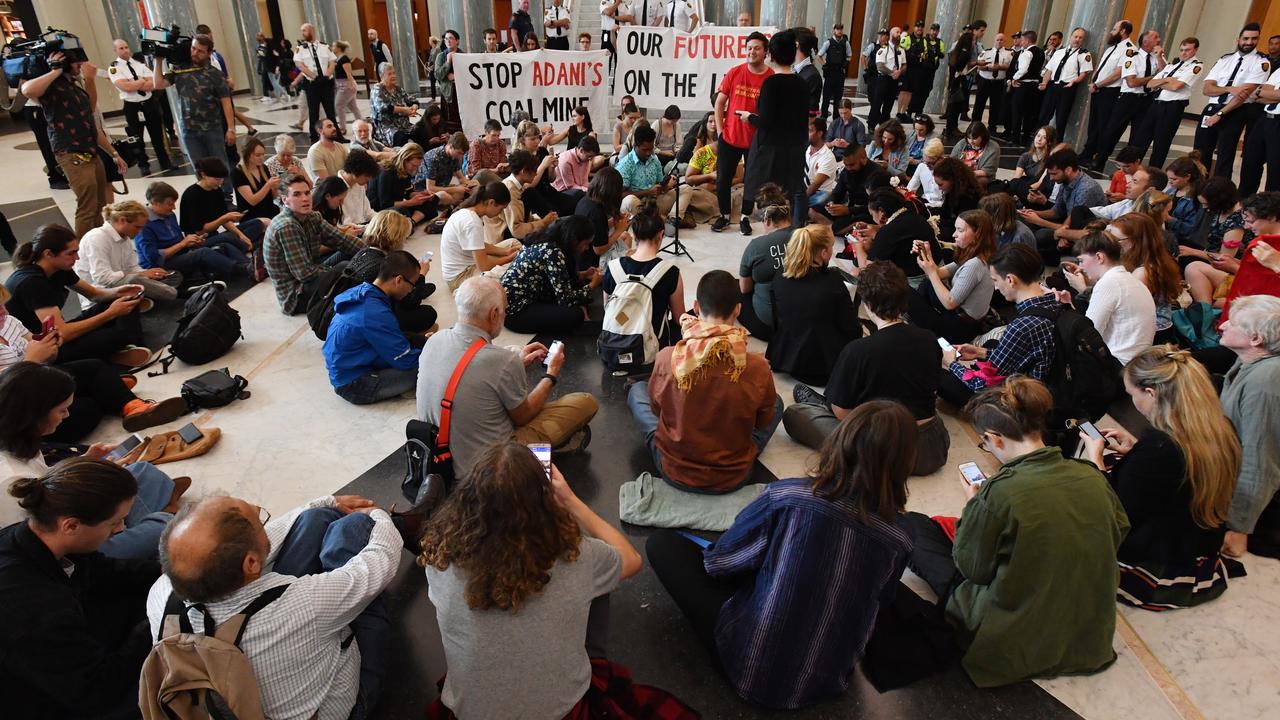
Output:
(951, 16)
(1036, 17)
(783, 14)
(1163, 16)
(164, 13)
(248, 25)
(124, 22)
(469, 18)
(1097, 17)
(323, 14)
(404, 52)
(832, 13)
(876, 17)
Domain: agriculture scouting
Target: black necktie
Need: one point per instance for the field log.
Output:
(673, 14)
(894, 49)
(1147, 72)
(644, 13)
(1232, 80)
(1106, 57)
(1057, 74)
(316, 58)
(132, 72)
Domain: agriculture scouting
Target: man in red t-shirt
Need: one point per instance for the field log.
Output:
(736, 99)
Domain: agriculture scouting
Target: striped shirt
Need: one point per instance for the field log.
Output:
(813, 577)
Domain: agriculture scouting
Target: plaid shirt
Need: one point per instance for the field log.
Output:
(292, 253)
(483, 156)
(1027, 345)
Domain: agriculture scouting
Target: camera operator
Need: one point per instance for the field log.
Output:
(208, 123)
(75, 137)
(133, 80)
(317, 62)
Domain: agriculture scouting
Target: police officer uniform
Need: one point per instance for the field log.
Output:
(1130, 105)
(1231, 70)
(869, 66)
(915, 48)
(889, 58)
(557, 37)
(991, 84)
(934, 55)
(680, 14)
(1157, 127)
(316, 56)
(1003, 119)
(1262, 146)
(1066, 64)
(1104, 100)
(140, 110)
(835, 54)
(1024, 90)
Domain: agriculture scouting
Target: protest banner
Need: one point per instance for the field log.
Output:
(661, 66)
(546, 84)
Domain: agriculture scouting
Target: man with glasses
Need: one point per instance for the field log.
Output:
(297, 245)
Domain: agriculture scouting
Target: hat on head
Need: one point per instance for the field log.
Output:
(883, 31)
(935, 26)
(919, 23)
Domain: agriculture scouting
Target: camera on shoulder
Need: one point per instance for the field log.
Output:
(168, 43)
(27, 59)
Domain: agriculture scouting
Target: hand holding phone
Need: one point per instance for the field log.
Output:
(946, 346)
(47, 326)
(556, 348)
(125, 447)
(972, 474)
(542, 451)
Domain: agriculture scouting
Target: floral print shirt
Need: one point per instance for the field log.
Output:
(541, 274)
(386, 121)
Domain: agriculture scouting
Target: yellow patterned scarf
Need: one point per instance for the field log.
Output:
(704, 344)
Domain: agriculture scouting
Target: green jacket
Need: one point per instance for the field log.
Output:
(1037, 547)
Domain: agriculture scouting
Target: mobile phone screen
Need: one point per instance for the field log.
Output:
(946, 346)
(542, 451)
(972, 473)
(46, 326)
(1090, 430)
(556, 347)
(124, 448)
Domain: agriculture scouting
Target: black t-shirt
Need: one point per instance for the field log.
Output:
(343, 68)
(782, 114)
(575, 136)
(661, 290)
(266, 208)
(388, 188)
(898, 363)
(199, 207)
(32, 289)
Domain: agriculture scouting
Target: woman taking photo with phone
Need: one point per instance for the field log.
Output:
(957, 296)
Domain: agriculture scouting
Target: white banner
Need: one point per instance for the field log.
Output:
(546, 84)
(661, 66)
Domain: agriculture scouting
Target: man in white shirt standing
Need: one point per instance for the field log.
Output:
(133, 81)
(681, 15)
(556, 23)
(993, 68)
(1106, 85)
(820, 169)
(613, 12)
(1231, 85)
(1263, 144)
(316, 61)
(1065, 69)
(1121, 306)
(1135, 73)
(647, 13)
(891, 63)
(1172, 87)
(318, 649)
(1024, 93)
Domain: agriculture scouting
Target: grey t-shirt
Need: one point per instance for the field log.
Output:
(971, 285)
(761, 261)
(526, 663)
(494, 383)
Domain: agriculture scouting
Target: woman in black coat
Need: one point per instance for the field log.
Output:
(782, 126)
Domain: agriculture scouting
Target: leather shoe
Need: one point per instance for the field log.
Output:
(411, 522)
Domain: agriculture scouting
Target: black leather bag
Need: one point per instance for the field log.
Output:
(428, 472)
(214, 388)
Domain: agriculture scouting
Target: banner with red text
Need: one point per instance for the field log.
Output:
(661, 66)
(546, 84)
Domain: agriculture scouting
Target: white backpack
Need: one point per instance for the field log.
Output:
(627, 340)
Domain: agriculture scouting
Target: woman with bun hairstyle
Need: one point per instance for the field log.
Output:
(1001, 570)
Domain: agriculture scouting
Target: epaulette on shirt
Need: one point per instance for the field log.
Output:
(1130, 52)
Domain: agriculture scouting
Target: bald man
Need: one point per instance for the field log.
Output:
(133, 80)
(316, 61)
(318, 647)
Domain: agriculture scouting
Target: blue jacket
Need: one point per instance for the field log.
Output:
(160, 233)
(365, 336)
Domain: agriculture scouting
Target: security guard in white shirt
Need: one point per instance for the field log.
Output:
(1172, 87)
(1064, 71)
(556, 22)
(681, 15)
(1134, 99)
(891, 63)
(1024, 90)
(993, 68)
(1106, 84)
(1232, 84)
(1262, 147)
(133, 81)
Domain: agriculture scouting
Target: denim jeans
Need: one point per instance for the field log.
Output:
(146, 519)
(321, 540)
(210, 143)
(638, 401)
(377, 385)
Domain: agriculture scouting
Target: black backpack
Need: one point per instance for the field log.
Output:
(1084, 377)
(332, 283)
(214, 388)
(208, 329)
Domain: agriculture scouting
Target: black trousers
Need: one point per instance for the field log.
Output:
(1128, 108)
(1104, 101)
(543, 199)
(161, 98)
(921, 86)
(549, 318)
(146, 114)
(40, 128)
(1024, 110)
(886, 91)
(1058, 100)
(104, 340)
(832, 94)
(606, 43)
(1261, 147)
(1217, 145)
(931, 555)
(319, 92)
(558, 43)
(988, 90)
(748, 319)
(1157, 127)
(952, 390)
(99, 392)
(926, 311)
(727, 159)
(677, 562)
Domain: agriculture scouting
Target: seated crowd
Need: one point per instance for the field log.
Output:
(896, 275)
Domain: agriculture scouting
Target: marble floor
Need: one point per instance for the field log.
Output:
(294, 440)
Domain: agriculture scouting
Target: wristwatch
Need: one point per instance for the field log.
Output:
(554, 380)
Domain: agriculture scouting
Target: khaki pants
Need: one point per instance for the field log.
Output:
(88, 181)
(701, 202)
(471, 271)
(559, 420)
(631, 203)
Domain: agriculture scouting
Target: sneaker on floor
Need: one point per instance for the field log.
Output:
(745, 225)
(142, 414)
(133, 357)
(804, 394)
(720, 224)
(129, 381)
(576, 442)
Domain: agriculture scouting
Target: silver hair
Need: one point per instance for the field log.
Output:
(476, 298)
(383, 68)
(1259, 315)
(284, 143)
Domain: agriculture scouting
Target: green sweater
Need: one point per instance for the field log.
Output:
(1037, 547)
(1251, 400)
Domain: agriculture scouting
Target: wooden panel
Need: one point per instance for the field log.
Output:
(1011, 18)
(1267, 14)
(854, 31)
(1134, 11)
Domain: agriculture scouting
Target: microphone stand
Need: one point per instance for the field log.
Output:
(675, 247)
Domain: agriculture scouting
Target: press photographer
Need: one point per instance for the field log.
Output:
(73, 135)
(203, 96)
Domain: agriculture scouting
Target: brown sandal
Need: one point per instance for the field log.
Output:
(170, 447)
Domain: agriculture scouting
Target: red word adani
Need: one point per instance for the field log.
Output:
(547, 74)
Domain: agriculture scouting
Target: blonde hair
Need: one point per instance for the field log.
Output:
(933, 148)
(403, 156)
(342, 45)
(124, 210)
(388, 230)
(803, 249)
(1187, 408)
(528, 128)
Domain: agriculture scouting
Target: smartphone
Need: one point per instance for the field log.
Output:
(47, 326)
(972, 474)
(542, 451)
(125, 447)
(701, 542)
(556, 347)
(189, 433)
(427, 257)
(946, 346)
(1088, 429)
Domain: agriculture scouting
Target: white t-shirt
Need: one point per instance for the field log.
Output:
(922, 182)
(821, 161)
(463, 234)
(1124, 313)
(356, 209)
(11, 468)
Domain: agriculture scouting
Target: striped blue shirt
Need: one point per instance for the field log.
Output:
(814, 577)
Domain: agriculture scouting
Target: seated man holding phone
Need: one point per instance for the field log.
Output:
(162, 244)
(643, 177)
(495, 402)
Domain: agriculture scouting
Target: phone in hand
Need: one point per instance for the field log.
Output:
(426, 257)
(1091, 430)
(972, 474)
(190, 433)
(125, 447)
(946, 346)
(556, 347)
(542, 451)
(47, 326)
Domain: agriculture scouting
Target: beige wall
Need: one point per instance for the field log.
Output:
(1216, 24)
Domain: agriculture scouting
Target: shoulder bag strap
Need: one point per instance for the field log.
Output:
(446, 403)
(175, 618)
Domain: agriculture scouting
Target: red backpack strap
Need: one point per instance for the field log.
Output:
(446, 403)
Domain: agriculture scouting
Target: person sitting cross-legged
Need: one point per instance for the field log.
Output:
(108, 257)
(292, 247)
(896, 362)
(545, 291)
(465, 249)
(494, 400)
(368, 356)
(1120, 305)
(73, 627)
(203, 211)
(386, 233)
(709, 407)
(162, 244)
(319, 649)
(642, 175)
(787, 623)
(393, 187)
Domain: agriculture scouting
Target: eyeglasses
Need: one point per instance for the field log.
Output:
(982, 444)
(263, 515)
